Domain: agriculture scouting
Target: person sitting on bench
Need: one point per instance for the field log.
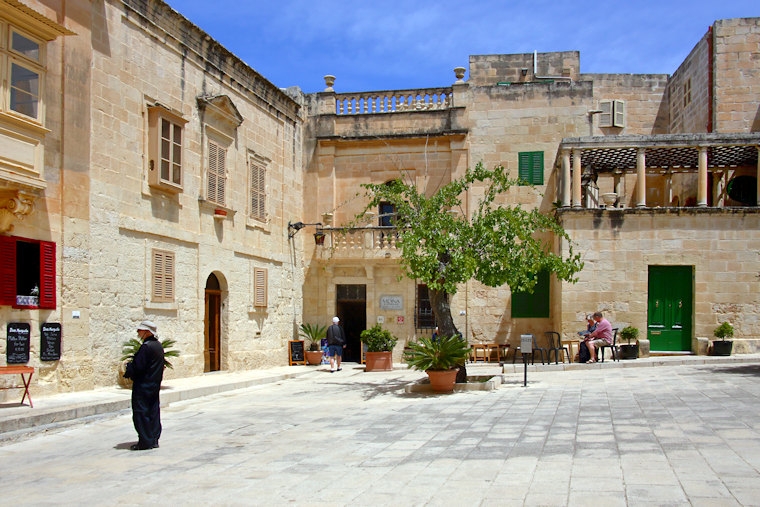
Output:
(602, 335)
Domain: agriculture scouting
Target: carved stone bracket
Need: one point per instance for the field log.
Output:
(14, 205)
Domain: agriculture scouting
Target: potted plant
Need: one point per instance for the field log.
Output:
(314, 333)
(439, 358)
(380, 343)
(629, 350)
(130, 347)
(723, 347)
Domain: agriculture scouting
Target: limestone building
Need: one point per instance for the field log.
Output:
(674, 250)
(147, 172)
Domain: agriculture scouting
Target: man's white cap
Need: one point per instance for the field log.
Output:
(336, 320)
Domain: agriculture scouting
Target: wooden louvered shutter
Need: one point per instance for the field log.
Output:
(606, 117)
(7, 271)
(531, 167)
(216, 173)
(619, 113)
(258, 196)
(259, 287)
(47, 275)
(163, 276)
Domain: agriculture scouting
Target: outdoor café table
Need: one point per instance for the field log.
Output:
(487, 349)
(570, 344)
(20, 370)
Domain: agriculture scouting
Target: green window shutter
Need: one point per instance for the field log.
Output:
(532, 306)
(531, 167)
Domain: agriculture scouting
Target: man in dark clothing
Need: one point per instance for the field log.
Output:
(336, 342)
(146, 371)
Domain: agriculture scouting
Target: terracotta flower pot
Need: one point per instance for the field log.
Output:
(442, 381)
(314, 357)
(378, 361)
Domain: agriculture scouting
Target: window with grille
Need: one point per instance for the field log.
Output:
(536, 305)
(27, 273)
(687, 92)
(216, 173)
(424, 318)
(165, 148)
(260, 287)
(258, 190)
(531, 167)
(163, 276)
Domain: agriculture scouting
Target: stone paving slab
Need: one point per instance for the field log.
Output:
(677, 435)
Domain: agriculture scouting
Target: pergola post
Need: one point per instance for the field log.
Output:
(702, 178)
(758, 175)
(577, 174)
(565, 197)
(641, 178)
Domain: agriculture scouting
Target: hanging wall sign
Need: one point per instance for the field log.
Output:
(18, 337)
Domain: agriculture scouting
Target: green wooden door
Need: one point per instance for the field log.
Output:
(670, 305)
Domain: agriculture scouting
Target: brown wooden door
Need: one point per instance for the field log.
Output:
(212, 325)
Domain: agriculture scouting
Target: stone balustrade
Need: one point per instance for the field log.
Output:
(361, 241)
(393, 101)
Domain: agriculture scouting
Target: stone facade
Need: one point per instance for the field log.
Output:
(124, 62)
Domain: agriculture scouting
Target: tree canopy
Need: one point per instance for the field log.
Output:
(442, 247)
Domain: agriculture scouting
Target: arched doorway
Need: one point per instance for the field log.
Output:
(212, 324)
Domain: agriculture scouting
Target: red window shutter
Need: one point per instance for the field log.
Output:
(7, 271)
(47, 275)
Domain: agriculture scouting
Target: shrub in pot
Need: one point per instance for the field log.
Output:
(629, 350)
(438, 358)
(380, 343)
(314, 333)
(723, 347)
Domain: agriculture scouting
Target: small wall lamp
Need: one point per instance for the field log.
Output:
(294, 228)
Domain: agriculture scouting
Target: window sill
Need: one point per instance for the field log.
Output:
(152, 305)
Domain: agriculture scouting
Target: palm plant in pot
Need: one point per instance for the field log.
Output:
(723, 347)
(380, 343)
(130, 347)
(439, 358)
(629, 350)
(314, 333)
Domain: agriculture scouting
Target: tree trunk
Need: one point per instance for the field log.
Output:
(439, 301)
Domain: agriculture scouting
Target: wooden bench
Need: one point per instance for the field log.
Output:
(20, 370)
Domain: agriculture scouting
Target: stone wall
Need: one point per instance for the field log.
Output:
(737, 75)
(689, 91)
(720, 244)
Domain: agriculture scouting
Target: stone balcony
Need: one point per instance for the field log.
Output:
(359, 243)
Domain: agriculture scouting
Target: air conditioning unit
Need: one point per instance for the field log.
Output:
(613, 113)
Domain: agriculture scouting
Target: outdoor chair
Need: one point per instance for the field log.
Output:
(536, 349)
(600, 350)
(555, 345)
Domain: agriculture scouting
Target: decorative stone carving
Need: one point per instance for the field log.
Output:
(14, 205)
(329, 82)
(459, 73)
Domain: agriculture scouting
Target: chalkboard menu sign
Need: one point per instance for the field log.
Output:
(295, 352)
(17, 346)
(50, 341)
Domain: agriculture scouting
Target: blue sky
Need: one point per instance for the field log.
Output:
(400, 44)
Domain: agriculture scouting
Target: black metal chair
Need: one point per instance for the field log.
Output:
(615, 355)
(555, 345)
(536, 348)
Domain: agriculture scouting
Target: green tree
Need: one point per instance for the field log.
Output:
(442, 247)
